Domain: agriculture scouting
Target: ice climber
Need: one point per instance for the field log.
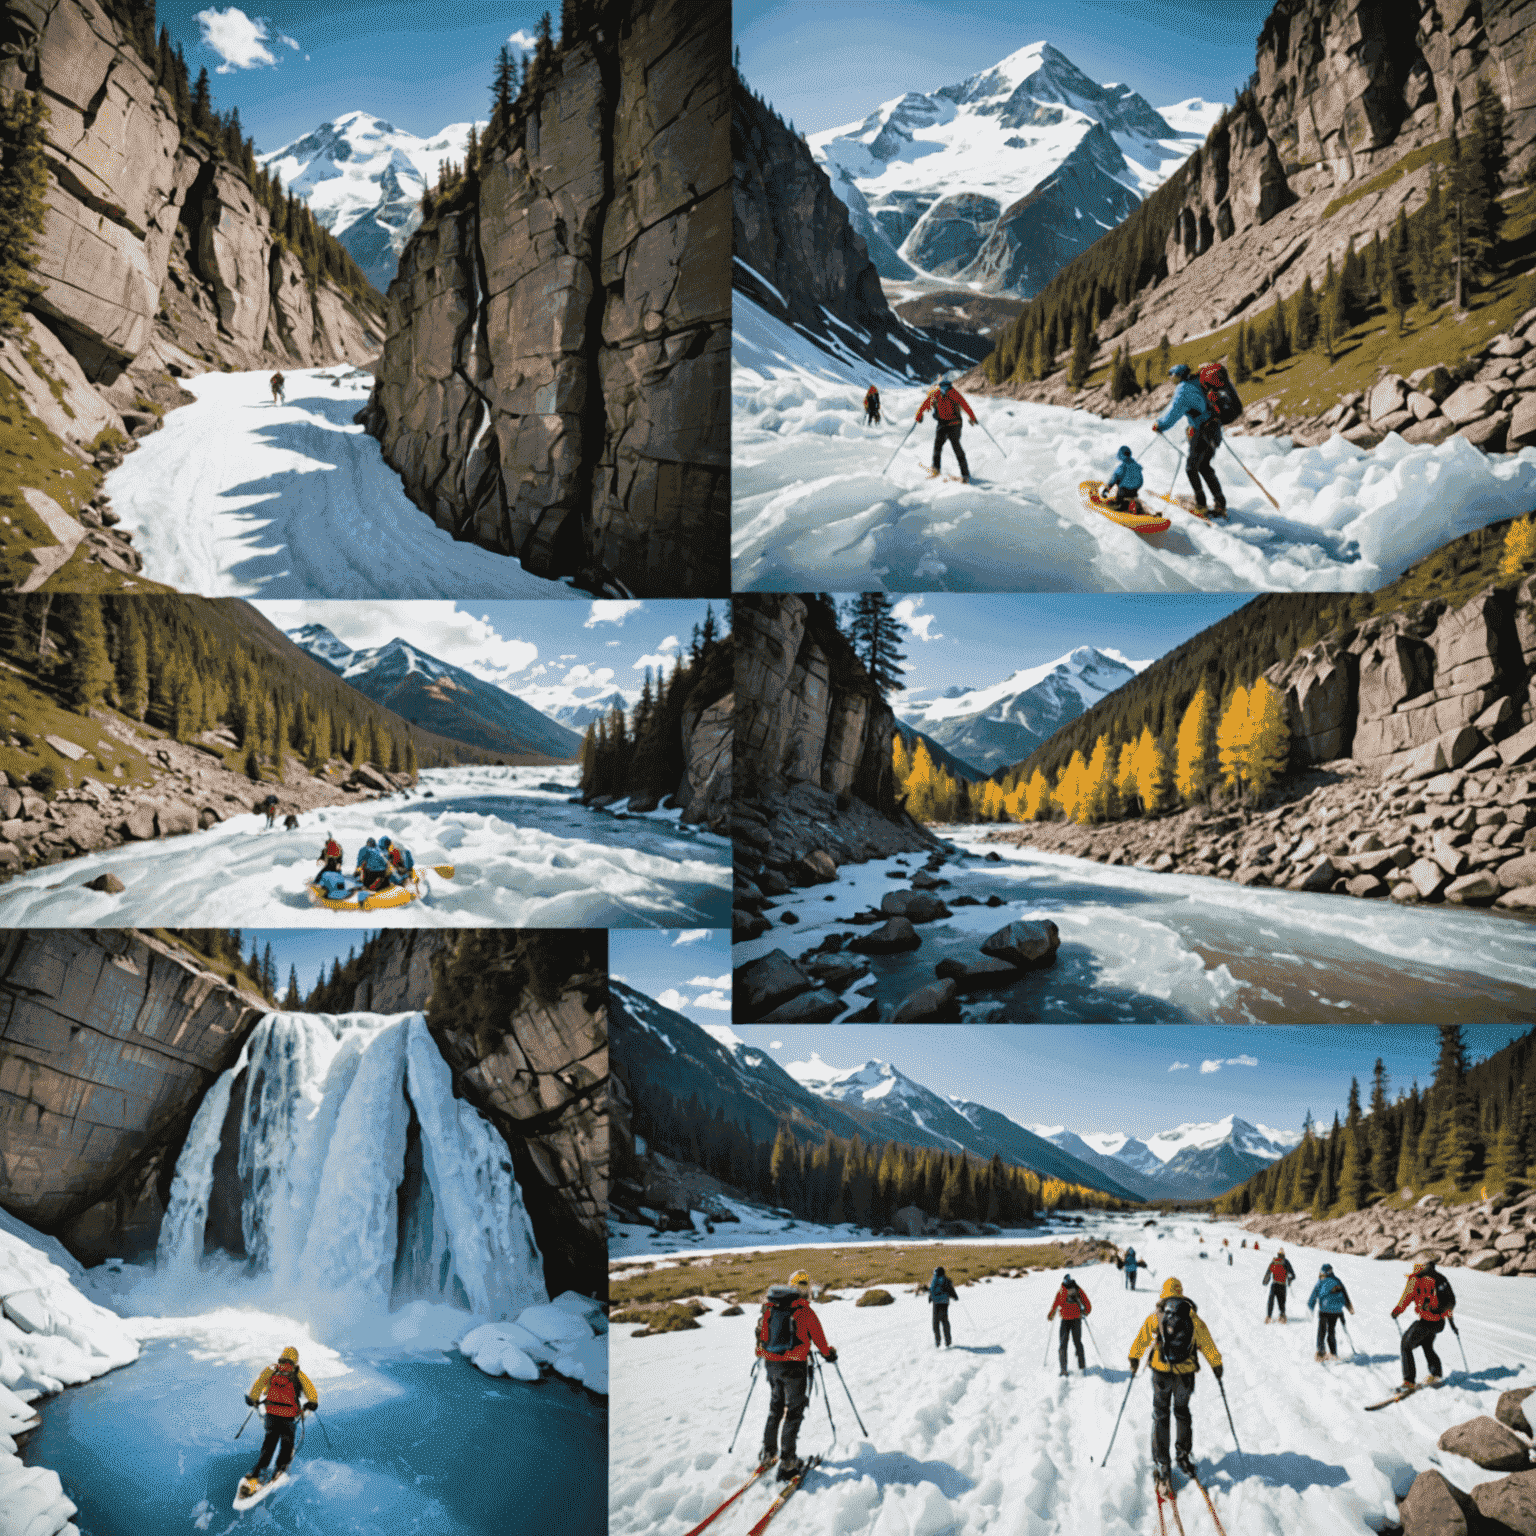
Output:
(330, 857)
(1330, 1298)
(1204, 432)
(1174, 1331)
(283, 1384)
(1429, 1293)
(401, 864)
(785, 1332)
(941, 1291)
(1129, 1265)
(277, 381)
(1125, 481)
(372, 866)
(1277, 1275)
(947, 403)
(871, 406)
(1074, 1306)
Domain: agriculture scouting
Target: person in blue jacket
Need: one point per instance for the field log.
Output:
(941, 1291)
(373, 868)
(1204, 434)
(1330, 1298)
(1125, 481)
(401, 863)
(1130, 1264)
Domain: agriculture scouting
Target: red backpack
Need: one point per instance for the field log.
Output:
(283, 1394)
(1219, 393)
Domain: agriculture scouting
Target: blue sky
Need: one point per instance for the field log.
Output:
(417, 64)
(307, 948)
(547, 653)
(687, 970)
(827, 64)
(1111, 1077)
(973, 640)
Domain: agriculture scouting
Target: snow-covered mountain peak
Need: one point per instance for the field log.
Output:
(1253, 1139)
(866, 1083)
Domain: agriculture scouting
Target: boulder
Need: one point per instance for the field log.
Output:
(1510, 1411)
(974, 975)
(1474, 890)
(1488, 433)
(771, 883)
(1420, 404)
(1487, 1442)
(747, 925)
(1512, 1242)
(369, 777)
(1434, 1507)
(1363, 436)
(72, 750)
(1386, 398)
(915, 906)
(1521, 899)
(1508, 346)
(1365, 885)
(1026, 945)
(760, 986)
(107, 882)
(1434, 429)
(937, 1003)
(140, 823)
(1427, 877)
(1518, 872)
(1522, 423)
(1319, 877)
(1509, 1503)
(837, 973)
(910, 1221)
(814, 1007)
(1487, 1258)
(1515, 749)
(816, 868)
(1468, 403)
(10, 803)
(1447, 854)
(889, 939)
(176, 819)
(1396, 422)
(1434, 381)
(207, 817)
(923, 881)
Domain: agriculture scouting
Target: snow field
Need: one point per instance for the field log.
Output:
(984, 1438)
(522, 857)
(238, 497)
(814, 507)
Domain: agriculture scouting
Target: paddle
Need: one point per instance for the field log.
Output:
(445, 870)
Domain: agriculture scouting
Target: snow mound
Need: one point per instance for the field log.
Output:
(558, 1334)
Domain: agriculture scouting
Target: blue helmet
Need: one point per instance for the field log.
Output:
(371, 843)
(384, 842)
(1125, 453)
(1327, 1269)
(1179, 371)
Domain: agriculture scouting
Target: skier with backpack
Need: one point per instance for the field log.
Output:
(941, 1291)
(1330, 1298)
(947, 403)
(284, 1393)
(1429, 1293)
(786, 1330)
(871, 406)
(1130, 1264)
(1074, 1306)
(1209, 402)
(1174, 1332)
(1277, 1275)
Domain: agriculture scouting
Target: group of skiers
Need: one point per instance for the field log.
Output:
(381, 862)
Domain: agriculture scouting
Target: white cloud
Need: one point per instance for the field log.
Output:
(775, 1045)
(1179, 1066)
(288, 42)
(1211, 1066)
(583, 676)
(523, 40)
(1242, 1061)
(692, 936)
(660, 661)
(672, 999)
(240, 40)
(718, 1000)
(711, 981)
(671, 643)
(612, 643)
(538, 671)
(566, 658)
(612, 611)
(921, 624)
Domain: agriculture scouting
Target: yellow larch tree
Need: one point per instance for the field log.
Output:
(901, 759)
(1151, 771)
(921, 785)
(1269, 744)
(1192, 771)
(1096, 802)
(1519, 547)
(1232, 738)
(1125, 777)
(1037, 797)
(1070, 784)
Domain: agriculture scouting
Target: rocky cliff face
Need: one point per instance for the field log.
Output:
(554, 381)
(399, 976)
(108, 1042)
(155, 261)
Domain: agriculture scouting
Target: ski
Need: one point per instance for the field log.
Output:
(1396, 1397)
(709, 1519)
(1221, 1530)
(1171, 1499)
(778, 1503)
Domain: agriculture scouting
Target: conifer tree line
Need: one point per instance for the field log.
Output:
(227, 945)
(1474, 1130)
(850, 1180)
(23, 186)
(640, 752)
(1446, 251)
(170, 663)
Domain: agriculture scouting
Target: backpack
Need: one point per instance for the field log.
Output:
(777, 1329)
(1219, 394)
(1130, 1256)
(1074, 1296)
(1445, 1297)
(283, 1394)
(1175, 1330)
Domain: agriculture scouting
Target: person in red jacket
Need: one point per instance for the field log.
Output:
(871, 406)
(1074, 1306)
(1429, 1293)
(284, 1393)
(330, 856)
(947, 403)
(1277, 1274)
(785, 1332)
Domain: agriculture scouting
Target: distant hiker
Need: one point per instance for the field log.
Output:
(372, 866)
(941, 1291)
(1130, 1264)
(269, 806)
(785, 1332)
(1174, 1331)
(282, 1383)
(1074, 1306)
(277, 381)
(330, 857)
(401, 864)
(1204, 433)
(947, 403)
(1126, 480)
(1429, 1293)
(1330, 1298)
(871, 406)
(290, 822)
(1277, 1275)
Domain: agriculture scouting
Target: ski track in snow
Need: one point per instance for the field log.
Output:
(813, 507)
(523, 857)
(983, 1438)
(237, 497)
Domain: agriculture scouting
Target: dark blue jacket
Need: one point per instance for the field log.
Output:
(941, 1290)
(374, 860)
(1328, 1295)
(1131, 1261)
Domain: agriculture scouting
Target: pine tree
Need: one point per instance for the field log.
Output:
(23, 206)
(1279, 333)
(1241, 372)
(876, 636)
(90, 668)
(202, 104)
(1162, 358)
(1232, 739)
(1082, 353)
(1306, 317)
(1123, 384)
(1192, 770)
(410, 758)
(1269, 738)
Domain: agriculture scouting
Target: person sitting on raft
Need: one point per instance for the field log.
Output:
(401, 864)
(1126, 480)
(337, 885)
(330, 857)
(372, 866)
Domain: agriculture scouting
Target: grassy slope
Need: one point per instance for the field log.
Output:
(28, 713)
(231, 972)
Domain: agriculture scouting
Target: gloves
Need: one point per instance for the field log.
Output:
(1351, 1311)
(1135, 1365)
(310, 1407)
(1216, 1372)
(1156, 427)
(831, 1356)
(251, 1401)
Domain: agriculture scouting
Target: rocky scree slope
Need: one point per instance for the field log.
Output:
(553, 383)
(1435, 1506)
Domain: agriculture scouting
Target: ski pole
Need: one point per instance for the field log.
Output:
(826, 1397)
(1348, 1335)
(323, 1430)
(995, 442)
(1230, 1425)
(739, 1422)
(836, 1367)
(1267, 497)
(1123, 1401)
(1457, 1331)
(899, 446)
(246, 1420)
(1099, 1352)
(1047, 1355)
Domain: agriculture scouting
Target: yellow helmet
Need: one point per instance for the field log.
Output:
(1171, 1287)
(290, 1354)
(799, 1278)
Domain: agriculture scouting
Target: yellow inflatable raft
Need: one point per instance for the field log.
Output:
(376, 901)
(1133, 515)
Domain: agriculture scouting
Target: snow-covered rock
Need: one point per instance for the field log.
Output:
(495, 1349)
(553, 1324)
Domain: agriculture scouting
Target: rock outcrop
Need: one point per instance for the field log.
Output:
(108, 1042)
(398, 975)
(553, 384)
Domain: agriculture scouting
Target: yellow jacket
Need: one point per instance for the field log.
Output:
(306, 1387)
(1148, 1337)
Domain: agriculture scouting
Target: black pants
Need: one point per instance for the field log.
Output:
(941, 1320)
(1072, 1327)
(788, 1383)
(949, 432)
(1421, 1335)
(871, 415)
(332, 866)
(1130, 1277)
(1327, 1326)
(1276, 1293)
(1202, 449)
(1172, 1389)
(279, 1432)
